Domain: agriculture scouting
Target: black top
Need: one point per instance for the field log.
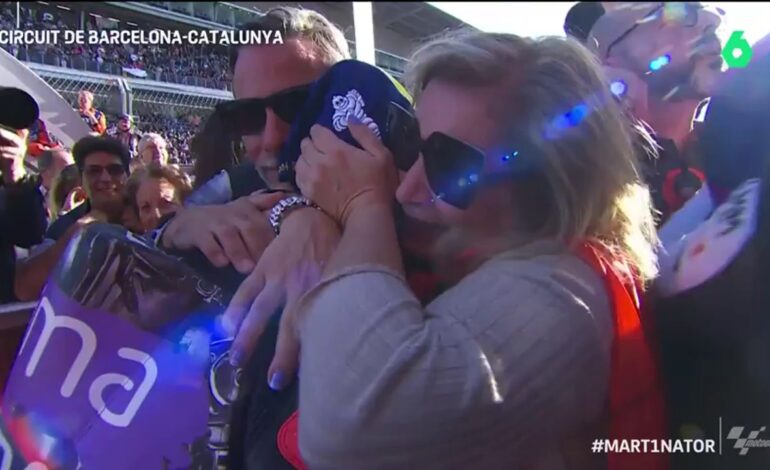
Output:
(655, 171)
(22, 224)
(715, 346)
(715, 343)
(64, 222)
(244, 180)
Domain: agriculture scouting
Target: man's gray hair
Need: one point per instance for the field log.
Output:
(147, 138)
(301, 23)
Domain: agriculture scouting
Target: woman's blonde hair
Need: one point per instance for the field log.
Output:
(171, 173)
(557, 99)
(67, 180)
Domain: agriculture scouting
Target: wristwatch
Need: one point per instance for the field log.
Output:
(284, 206)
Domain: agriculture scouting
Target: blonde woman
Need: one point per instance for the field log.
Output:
(155, 191)
(520, 152)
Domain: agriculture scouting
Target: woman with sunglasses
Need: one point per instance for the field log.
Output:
(522, 155)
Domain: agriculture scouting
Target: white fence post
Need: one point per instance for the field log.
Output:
(363, 25)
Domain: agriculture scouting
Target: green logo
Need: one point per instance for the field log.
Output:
(737, 52)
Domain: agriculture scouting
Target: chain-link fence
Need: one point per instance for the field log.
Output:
(146, 101)
(107, 96)
(173, 111)
(175, 115)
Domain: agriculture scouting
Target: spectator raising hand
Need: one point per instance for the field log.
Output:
(75, 198)
(13, 147)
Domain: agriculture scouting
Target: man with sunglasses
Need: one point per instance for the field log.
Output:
(103, 164)
(665, 60)
(228, 224)
(270, 84)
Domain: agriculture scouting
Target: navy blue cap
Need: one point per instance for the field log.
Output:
(349, 88)
(733, 139)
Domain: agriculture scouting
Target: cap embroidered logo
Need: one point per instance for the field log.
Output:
(352, 104)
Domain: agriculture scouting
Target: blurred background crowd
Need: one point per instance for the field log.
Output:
(187, 64)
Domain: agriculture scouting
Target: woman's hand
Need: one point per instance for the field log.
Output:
(341, 178)
(75, 198)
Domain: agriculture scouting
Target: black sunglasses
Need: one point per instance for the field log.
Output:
(248, 116)
(115, 170)
(685, 13)
(453, 168)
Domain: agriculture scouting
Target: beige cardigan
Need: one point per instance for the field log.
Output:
(508, 369)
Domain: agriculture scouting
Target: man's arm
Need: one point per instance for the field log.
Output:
(32, 273)
(26, 213)
(234, 233)
(215, 191)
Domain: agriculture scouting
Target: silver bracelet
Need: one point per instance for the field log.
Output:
(284, 206)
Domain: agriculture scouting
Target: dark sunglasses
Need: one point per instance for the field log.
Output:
(115, 170)
(453, 168)
(248, 116)
(685, 13)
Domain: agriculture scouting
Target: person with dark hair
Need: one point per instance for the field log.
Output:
(712, 308)
(215, 149)
(581, 18)
(124, 132)
(22, 208)
(103, 166)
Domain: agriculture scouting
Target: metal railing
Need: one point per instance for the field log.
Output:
(84, 64)
(16, 314)
(163, 95)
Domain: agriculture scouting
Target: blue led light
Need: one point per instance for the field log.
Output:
(508, 156)
(474, 178)
(618, 88)
(660, 62)
(577, 114)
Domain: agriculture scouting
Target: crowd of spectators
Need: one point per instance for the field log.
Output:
(205, 66)
(177, 130)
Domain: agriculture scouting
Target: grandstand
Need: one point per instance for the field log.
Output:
(171, 89)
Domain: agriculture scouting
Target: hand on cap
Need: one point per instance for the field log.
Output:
(340, 177)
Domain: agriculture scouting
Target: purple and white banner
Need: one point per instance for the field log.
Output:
(120, 367)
